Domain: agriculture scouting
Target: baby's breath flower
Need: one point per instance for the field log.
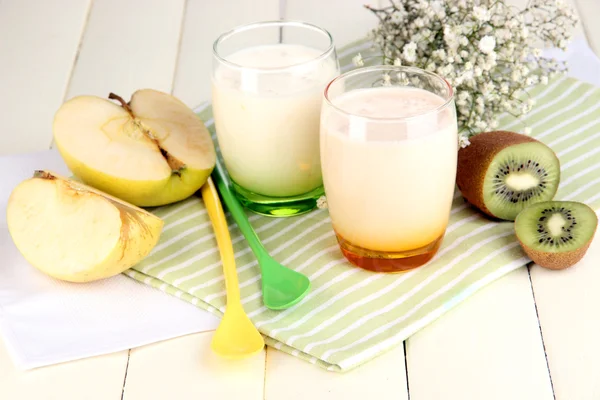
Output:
(489, 51)
(503, 34)
(487, 44)
(386, 80)
(402, 78)
(481, 14)
(410, 52)
(439, 54)
(463, 95)
(527, 131)
(438, 8)
(463, 141)
(488, 87)
(481, 125)
(322, 202)
(358, 60)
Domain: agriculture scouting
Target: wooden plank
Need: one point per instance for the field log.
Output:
(204, 22)
(489, 347)
(36, 57)
(567, 304)
(293, 379)
(186, 368)
(346, 20)
(96, 378)
(128, 45)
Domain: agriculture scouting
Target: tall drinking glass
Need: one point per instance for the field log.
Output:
(388, 152)
(267, 85)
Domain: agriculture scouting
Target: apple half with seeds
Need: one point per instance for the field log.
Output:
(75, 233)
(149, 152)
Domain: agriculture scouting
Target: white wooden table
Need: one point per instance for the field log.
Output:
(530, 335)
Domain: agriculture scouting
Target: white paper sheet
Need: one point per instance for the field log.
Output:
(583, 63)
(44, 321)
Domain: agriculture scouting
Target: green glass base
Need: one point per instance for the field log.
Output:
(278, 206)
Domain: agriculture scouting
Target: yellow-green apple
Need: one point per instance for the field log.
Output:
(75, 233)
(149, 152)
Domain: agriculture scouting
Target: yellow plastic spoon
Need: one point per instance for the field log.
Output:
(236, 337)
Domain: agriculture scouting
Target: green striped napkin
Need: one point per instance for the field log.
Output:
(351, 315)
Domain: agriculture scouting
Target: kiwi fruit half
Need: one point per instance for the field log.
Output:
(556, 234)
(503, 172)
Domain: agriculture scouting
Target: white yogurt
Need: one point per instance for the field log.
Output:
(267, 117)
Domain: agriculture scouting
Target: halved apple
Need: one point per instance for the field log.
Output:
(75, 233)
(151, 151)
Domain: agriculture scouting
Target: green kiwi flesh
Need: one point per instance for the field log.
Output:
(518, 176)
(556, 234)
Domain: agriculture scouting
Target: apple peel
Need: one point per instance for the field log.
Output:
(75, 233)
(151, 151)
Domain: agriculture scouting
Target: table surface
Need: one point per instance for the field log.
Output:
(532, 334)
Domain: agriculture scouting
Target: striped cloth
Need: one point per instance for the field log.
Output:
(351, 315)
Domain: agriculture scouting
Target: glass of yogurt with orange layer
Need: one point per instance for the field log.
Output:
(388, 154)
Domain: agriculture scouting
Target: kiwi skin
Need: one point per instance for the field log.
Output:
(557, 261)
(474, 161)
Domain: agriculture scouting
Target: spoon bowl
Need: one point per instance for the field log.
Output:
(236, 337)
(282, 287)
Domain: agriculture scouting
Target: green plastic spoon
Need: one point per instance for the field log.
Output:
(281, 287)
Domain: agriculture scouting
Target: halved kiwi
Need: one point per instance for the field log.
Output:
(556, 234)
(503, 172)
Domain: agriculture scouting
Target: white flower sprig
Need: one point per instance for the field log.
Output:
(490, 52)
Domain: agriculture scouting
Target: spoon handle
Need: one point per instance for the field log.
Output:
(237, 211)
(219, 222)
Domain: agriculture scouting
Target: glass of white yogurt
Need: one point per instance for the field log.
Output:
(267, 87)
(388, 151)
